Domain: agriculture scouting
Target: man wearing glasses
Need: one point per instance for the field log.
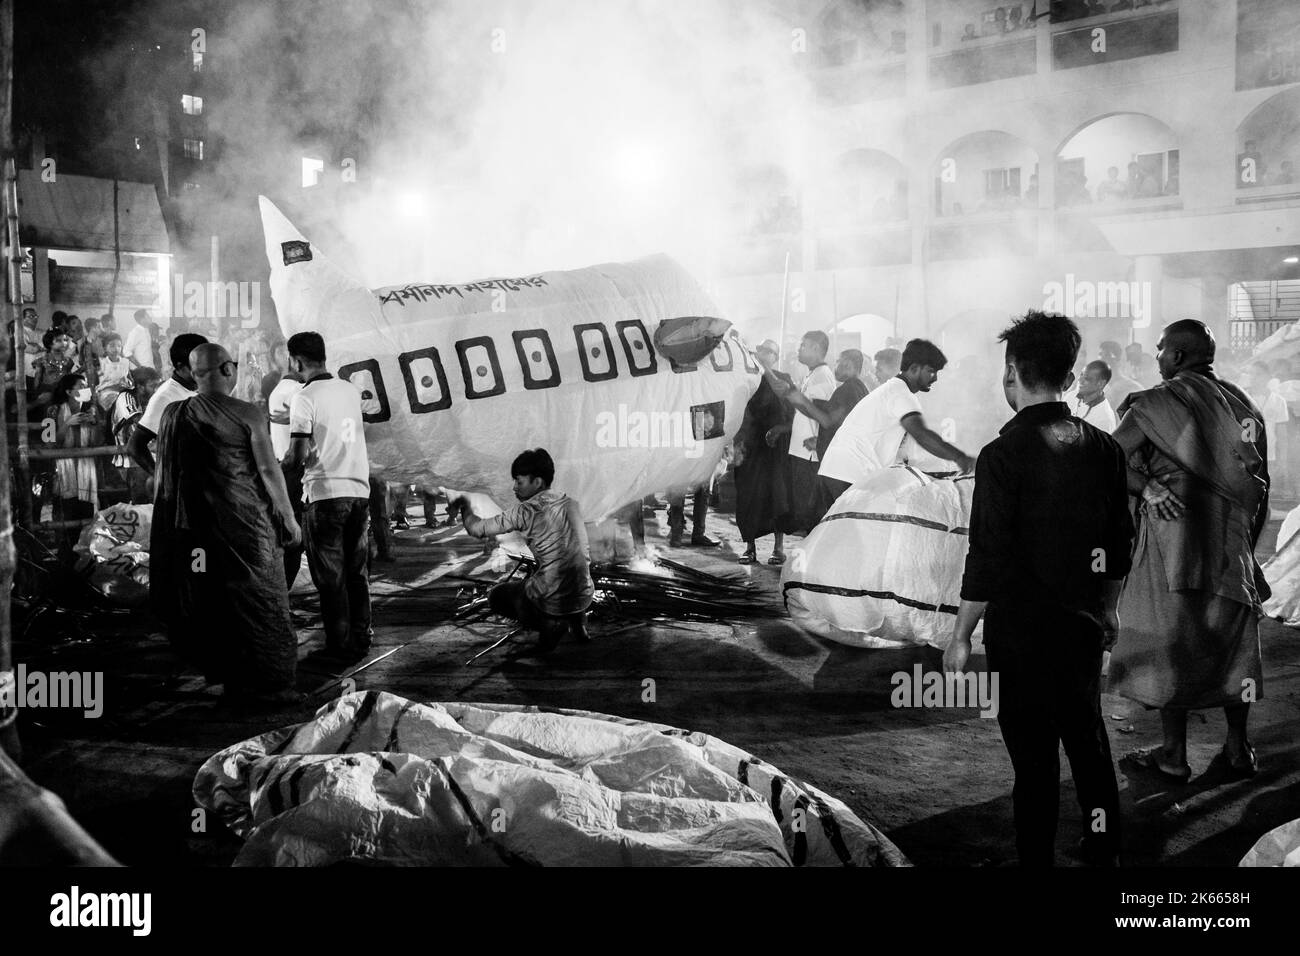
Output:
(221, 518)
(179, 386)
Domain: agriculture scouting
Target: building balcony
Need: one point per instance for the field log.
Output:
(984, 60)
(1119, 35)
(881, 244)
(979, 235)
(762, 253)
(862, 81)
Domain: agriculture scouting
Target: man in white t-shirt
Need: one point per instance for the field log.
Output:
(1091, 404)
(139, 343)
(327, 440)
(177, 388)
(817, 385)
(878, 432)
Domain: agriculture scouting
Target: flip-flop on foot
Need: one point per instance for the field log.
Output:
(1149, 759)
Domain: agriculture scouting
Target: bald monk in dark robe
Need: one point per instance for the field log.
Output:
(1189, 629)
(762, 473)
(221, 518)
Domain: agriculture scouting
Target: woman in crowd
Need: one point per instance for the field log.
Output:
(76, 427)
(53, 365)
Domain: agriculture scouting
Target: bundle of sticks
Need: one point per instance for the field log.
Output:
(677, 591)
(670, 590)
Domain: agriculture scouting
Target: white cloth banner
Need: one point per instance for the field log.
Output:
(884, 566)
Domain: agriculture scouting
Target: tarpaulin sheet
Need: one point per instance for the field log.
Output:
(1282, 572)
(117, 541)
(380, 779)
(458, 378)
(884, 566)
(1278, 847)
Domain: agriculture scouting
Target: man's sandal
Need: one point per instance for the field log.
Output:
(778, 557)
(1149, 760)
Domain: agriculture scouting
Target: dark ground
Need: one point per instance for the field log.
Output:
(937, 782)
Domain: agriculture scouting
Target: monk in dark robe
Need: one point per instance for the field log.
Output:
(763, 467)
(221, 518)
(1189, 630)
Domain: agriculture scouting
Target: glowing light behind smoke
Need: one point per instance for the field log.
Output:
(563, 134)
(639, 165)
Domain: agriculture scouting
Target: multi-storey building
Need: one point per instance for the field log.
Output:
(1131, 163)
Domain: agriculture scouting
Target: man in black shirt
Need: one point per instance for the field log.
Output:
(829, 415)
(1050, 539)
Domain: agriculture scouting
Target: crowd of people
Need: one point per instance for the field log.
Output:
(1072, 189)
(1102, 512)
(95, 385)
(1015, 17)
(1062, 10)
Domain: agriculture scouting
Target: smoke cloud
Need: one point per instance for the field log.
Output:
(512, 137)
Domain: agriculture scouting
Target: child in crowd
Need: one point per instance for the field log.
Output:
(114, 372)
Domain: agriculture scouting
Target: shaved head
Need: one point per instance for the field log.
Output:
(1185, 344)
(213, 368)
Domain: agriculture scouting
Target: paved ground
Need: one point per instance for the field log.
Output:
(936, 782)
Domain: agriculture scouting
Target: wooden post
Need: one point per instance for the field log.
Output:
(9, 742)
(785, 302)
(36, 828)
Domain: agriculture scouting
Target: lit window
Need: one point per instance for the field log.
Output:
(137, 142)
(193, 149)
(311, 171)
(198, 62)
(190, 187)
(192, 105)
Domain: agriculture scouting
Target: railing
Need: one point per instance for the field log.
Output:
(37, 453)
(1118, 35)
(1245, 334)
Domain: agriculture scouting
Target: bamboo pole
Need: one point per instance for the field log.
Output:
(36, 828)
(54, 454)
(785, 302)
(9, 742)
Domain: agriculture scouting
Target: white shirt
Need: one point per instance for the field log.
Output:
(1275, 413)
(1100, 415)
(168, 392)
(817, 384)
(139, 346)
(328, 411)
(114, 373)
(871, 436)
(278, 402)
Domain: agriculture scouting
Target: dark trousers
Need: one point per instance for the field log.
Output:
(1048, 664)
(293, 555)
(334, 532)
(510, 600)
(635, 523)
(677, 510)
(830, 489)
(807, 504)
(378, 503)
